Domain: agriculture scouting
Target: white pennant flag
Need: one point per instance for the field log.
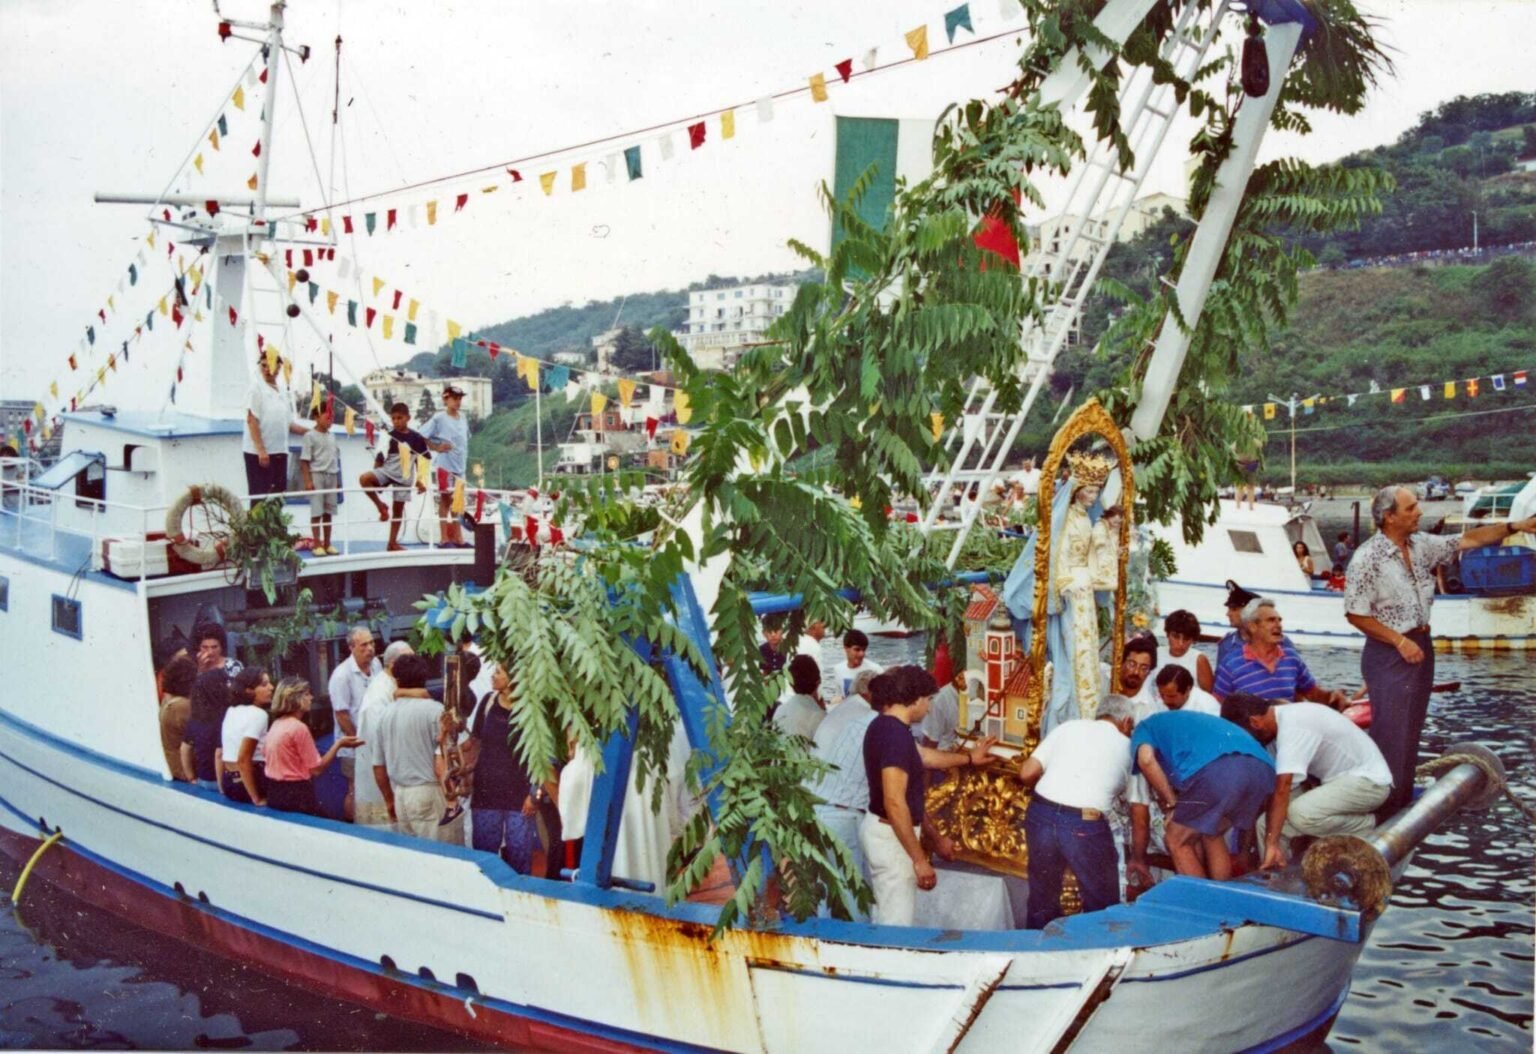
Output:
(572, 391)
(413, 216)
(140, 257)
(345, 271)
(611, 166)
(664, 142)
(872, 55)
(1423, 391)
(765, 109)
(432, 327)
(1351, 399)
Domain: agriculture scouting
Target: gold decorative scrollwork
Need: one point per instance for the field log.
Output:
(982, 809)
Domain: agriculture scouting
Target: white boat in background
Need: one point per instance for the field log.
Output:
(1253, 547)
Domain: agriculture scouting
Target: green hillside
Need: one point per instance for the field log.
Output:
(506, 445)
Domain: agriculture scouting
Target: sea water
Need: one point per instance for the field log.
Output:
(1448, 967)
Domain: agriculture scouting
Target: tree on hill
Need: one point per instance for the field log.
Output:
(632, 353)
(1507, 286)
(426, 406)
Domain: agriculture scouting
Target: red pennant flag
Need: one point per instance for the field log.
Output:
(263, 77)
(368, 431)
(346, 224)
(71, 404)
(995, 236)
(261, 342)
(232, 316)
(517, 177)
(460, 202)
(103, 313)
(494, 349)
(309, 257)
(170, 249)
(288, 258)
(211, 207)
(330, 254)
(176, 315)
(72, 364)
(26, 426)
(166, 214)
(556, 536)
(389, 220)
(845, 70)
(650, 427)
(479, 503)
(696, 135)
(396, 305)
(368, 317)
(256, 150)
(311, 224)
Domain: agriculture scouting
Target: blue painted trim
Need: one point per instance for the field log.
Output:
(69, 570)
(353, 962)
(1302, 1030)
(164, 426)
(53, 616)
(605, 811)
(1222, 590)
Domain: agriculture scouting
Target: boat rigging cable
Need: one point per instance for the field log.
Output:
(631, 133)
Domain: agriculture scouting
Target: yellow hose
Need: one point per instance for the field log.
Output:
(21, 883)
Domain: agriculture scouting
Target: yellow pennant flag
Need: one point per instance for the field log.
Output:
(917, 40)
(405, 462)
(213, 138)
(252, 181)
(150, 238)
(349, 422)
(39, 412)
(271, 358)
(239, 97)
(1269, 411)
(163, 310)
(579, 177)
(389, 327)
(331, 296)
(197, 163)
(423, 468)
(293, 280)
(457, 506)
(1450, 389)
(53, 389)
(547, 181)
(314, 396)
(681, 407)
(532, 373)
(522, 364)
(325, 226)
(110, 305)
(493, 188)
(728, 124)
(626, 391)
(819, 88)
(47, 431)
(454, 329)
(431, 213)
(599, 401)
(101, 375)
(410, 311)
(679, 442)
(936, 422)
(111, 365)
(378, 283)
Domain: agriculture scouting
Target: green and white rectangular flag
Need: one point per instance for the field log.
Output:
(896, 147)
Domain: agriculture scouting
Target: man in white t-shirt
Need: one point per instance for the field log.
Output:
(855, 644)
(1177, 688)
(348, 683)
(1028, 478)
(368, 806)
(1313, 741)
(1077, 771)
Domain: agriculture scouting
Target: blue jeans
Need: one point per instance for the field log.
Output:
(1058, 838)
(508, 831)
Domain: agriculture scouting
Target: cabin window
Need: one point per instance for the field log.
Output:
(66, 616)
(5, 593)
(91, 485)
(1245, 541)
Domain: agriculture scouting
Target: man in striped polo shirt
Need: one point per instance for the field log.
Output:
(1268, 665)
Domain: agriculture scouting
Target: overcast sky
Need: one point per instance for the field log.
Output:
(112, 95)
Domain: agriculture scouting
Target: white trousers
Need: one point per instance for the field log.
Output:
(418, 809)
(890, 873)
(1342, 806)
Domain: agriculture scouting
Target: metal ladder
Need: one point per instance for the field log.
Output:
(1097, 203)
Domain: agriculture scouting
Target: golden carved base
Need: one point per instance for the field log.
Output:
(983, 809)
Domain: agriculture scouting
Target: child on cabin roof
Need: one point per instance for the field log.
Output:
(320, 462)
(396, 470)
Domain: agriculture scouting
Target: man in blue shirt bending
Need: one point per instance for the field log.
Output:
(1210, 777)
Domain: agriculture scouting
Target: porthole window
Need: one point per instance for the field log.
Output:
(66, 616)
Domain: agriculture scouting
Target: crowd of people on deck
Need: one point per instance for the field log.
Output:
(1195, 767)
(269, 421)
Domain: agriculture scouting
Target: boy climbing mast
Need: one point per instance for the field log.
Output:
(399, 462)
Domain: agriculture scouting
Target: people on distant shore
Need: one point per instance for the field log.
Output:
(1268, 665)
(245, 727)
(1077, 772)
(320, 464)
(395, 469)
(291, 760)
(1312, 743)
(176, 710)
(1388, 597)
(201, 738)
(1182, 629)
(447, 435)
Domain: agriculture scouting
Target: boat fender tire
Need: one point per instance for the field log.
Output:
(206, 494)
(1345, 865)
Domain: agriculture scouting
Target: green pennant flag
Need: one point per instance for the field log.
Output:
(223, 125)
(460, 355)
(959, 18)
(133, 275)
(314, 291)
(410, 333)
(632, 162)
(149, 320)
(370, 220)
(351, 312)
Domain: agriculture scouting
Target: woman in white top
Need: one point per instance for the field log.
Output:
(245, 726)
(1182, 629)
(268, 420)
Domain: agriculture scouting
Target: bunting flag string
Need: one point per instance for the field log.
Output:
(639, 154)
(1450, 390)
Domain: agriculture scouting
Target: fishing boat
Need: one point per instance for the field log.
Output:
(1490, 605)
(99, 560)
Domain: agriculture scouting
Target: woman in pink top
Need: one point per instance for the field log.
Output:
(291, 758)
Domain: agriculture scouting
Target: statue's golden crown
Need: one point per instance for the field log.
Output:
(1090, 470)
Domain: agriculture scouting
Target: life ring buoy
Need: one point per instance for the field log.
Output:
(204, 548)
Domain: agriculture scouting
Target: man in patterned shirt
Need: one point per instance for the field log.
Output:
(1387, 596)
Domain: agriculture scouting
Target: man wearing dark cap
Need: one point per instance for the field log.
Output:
(1237, 599)
(447, 433)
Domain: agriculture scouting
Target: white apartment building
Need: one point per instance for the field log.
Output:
(722, 322)
(403, 386)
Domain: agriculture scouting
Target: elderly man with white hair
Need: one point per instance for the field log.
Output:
(1268, 665)
(369, 808)
(1387, 596)
(348, 683)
